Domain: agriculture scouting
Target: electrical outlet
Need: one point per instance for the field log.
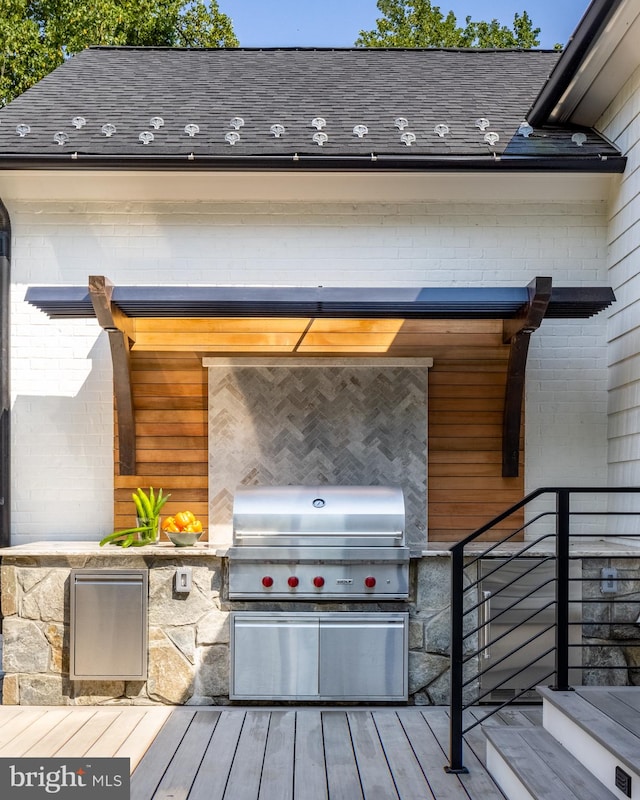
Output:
(608, 580)
(183, 580)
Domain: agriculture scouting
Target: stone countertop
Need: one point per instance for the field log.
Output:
(596, 548)
(78, 548)
(592, 548)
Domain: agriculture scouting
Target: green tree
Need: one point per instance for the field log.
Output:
(418, 23)
(37, 35)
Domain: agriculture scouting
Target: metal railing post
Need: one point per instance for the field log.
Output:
(562, 590)
(456, 742)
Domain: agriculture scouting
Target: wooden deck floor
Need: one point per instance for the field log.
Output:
(71, 731)
(225, 753)
(314, 754)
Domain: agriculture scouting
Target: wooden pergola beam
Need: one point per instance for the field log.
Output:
(517, 333)
(118, 329)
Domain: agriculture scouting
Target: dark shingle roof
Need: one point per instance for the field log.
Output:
(127, 87)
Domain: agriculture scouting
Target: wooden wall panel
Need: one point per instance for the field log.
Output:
(170, 402)
(466, 392)
(465, 484)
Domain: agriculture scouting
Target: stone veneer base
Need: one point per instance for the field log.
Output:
(189, 634)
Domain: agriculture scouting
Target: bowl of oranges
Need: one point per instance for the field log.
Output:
(183, 529)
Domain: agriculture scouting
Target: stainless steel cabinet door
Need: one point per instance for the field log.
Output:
(108, 625)
(363, 657)
(275, 656)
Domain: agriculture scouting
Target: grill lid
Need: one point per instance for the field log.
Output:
(303, 516)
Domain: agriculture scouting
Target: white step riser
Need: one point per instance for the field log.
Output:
(504, 776)
(591, 754)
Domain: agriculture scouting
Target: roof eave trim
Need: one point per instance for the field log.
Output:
(582, 40)
(598, 163)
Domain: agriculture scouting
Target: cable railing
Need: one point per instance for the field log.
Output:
(530, 626)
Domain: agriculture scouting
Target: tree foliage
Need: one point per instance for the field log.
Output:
(418, 23)
(37, 35)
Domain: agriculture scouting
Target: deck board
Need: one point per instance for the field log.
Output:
(310, 774)
(408, 776)
(241, 753)
(185, 762)
(244, 778)
(478, 784)
(138, 740)
(430, 756)
(151, 769)
(86, 728)
(29, 737)
(343, 779)
(17, 723)
(375, 776)
(614, 703)
(65, 729)
(211, 780)
(277, 772)
(294, 753)
(109, 743)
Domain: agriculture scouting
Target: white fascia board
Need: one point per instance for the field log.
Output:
(273, 186)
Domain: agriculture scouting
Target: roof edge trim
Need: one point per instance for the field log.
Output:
(303, 162)
(589, 28)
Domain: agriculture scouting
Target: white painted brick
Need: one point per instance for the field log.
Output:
(61, 375)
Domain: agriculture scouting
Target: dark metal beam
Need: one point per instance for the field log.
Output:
(115, 324)
(436, 302)
(517, 332)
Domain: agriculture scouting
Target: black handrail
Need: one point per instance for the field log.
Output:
(460, 639)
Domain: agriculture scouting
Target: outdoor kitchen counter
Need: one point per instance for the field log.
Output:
(189, 634)
(44, 549)
(599, 548)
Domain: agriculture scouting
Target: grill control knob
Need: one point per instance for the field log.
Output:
(267, 581)
(293, 581)
(318, 581)
(370, 582)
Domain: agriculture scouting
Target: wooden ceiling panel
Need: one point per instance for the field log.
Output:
(464, 338)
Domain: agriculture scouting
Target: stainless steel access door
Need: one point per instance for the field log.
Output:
(319, 656)
(108, 621)
(363, 658)
(274, 656)
(516, 631)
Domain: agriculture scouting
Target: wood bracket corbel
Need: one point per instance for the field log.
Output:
(120, 332)
(517, 333)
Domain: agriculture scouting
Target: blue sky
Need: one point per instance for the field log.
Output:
(336, 23)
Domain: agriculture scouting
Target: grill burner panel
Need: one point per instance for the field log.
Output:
(319, 542)
(320, 580)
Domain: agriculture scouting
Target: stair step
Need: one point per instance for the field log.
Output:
(601, 727)
(529, 764)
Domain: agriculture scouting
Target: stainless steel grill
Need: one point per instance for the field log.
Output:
(319, 542)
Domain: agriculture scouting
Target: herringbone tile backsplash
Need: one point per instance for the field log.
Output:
(339, 425)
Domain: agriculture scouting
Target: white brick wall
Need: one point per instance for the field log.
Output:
(62, 412)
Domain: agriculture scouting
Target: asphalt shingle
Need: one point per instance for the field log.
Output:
(128, 87)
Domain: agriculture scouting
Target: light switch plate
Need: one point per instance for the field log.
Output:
(183, 580)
